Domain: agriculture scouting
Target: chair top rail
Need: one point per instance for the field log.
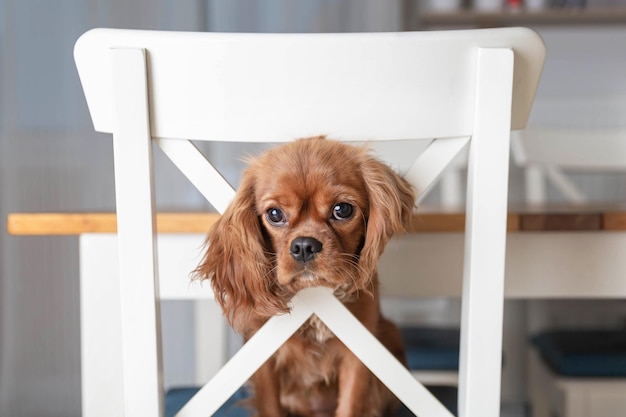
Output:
(591, 149)
(409, 85)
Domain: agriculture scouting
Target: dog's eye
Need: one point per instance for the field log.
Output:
(276, 216)
(342, 211)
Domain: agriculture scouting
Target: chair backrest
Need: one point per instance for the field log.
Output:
(275, 87)
(144, 86)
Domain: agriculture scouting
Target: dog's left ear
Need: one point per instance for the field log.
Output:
(391, 200)
(238, 263)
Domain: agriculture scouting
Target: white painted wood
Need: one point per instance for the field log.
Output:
(599, 149)
(429, 166)
(246, 361)
(345, 326)
(183, 253)
(565, 186)
(452, 190)
(437, 378)
(101, 333)
(536, 193)
(552, 394)
(211, 340)
(485, 237)
(371, 352)
(379, 89)
(199, 171)
(430, 265)
(580, 265)
(538, 265)
(100, 327)
(606, 398)
(542, 394)
(547, 153)
(352, 87)
(141, 336)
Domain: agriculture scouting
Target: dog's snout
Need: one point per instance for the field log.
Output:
(303, 249)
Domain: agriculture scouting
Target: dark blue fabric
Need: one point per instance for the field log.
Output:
(446, 395)
(433, 348)
(177, 397)
(585, 353)
(429, 348)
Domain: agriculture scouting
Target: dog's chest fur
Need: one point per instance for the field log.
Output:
(315, 330)
(309, 361)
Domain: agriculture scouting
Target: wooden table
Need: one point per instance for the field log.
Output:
(556, 254)
(80, 223)
(549, 255)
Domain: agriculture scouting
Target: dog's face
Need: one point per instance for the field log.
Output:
(313, 212)
(313, 203)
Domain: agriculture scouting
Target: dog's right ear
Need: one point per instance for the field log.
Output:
(238, 262)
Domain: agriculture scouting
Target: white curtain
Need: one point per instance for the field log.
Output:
(304, 15)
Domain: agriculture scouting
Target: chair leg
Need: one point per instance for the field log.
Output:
(540, 386)
(100, 325)
(485, 238)
(132, 147)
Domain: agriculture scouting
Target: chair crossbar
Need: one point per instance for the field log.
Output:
(431, 164)
(372, 352)
(423, 174)
(258, 349)
(321, 302)
(202, 174)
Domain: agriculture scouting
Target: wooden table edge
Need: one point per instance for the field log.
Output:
(56, 224)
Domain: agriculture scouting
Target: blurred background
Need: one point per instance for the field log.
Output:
(52, 161)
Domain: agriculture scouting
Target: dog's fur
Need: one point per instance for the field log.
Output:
(341, 197)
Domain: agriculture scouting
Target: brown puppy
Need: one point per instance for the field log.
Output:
(313, 212)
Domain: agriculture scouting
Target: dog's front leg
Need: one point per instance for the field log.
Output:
(267, 391)
(359, 394)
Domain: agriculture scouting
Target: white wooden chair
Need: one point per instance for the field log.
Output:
(169, 88)
(548, 153)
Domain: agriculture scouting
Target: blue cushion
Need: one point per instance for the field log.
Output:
(177, 397)
(446, 395)
(429, 348)
(584, 353)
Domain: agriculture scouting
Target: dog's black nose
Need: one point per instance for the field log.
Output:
(303, 249)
